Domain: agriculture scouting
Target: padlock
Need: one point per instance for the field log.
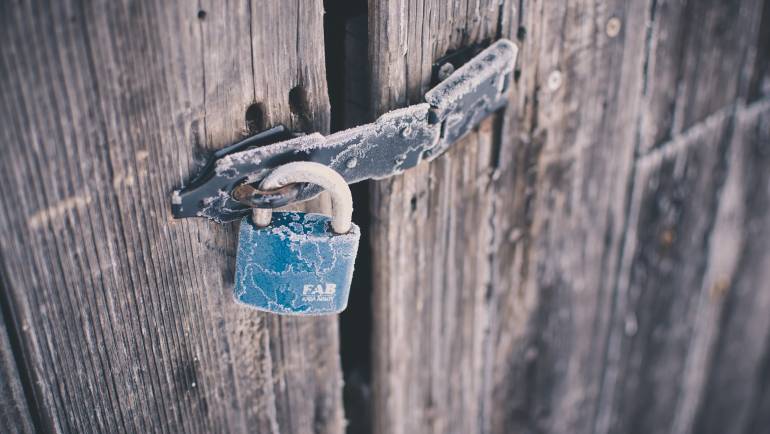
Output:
(294, 262)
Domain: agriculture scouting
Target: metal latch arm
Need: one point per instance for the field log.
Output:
(396, 141)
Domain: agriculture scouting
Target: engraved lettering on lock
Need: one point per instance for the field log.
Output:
(318, 292)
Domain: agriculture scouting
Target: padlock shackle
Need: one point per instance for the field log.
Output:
(323, 176)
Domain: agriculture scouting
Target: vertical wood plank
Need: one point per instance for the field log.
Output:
(759, 86)
(431, 235)
(570, 292)
(15, 416)
(682, 237)
(695, 46)
(668, 302)
(736, 385)
(565, 166)
(126, 315)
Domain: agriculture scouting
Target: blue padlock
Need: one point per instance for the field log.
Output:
(298, 263)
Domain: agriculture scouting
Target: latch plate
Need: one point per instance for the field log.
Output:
(396, 141)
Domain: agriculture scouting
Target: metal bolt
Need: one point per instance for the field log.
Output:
(554, 80)
(613, 27)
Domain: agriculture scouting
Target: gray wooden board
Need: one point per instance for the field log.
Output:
(125, 317)
(736, 382)
(14, 410)
(570, 291)
(686, 237)
(430, 234)
(695, 46)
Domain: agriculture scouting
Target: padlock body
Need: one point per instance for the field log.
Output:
(296, 265)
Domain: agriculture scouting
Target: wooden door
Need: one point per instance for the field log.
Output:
(119, 318)
(593, 258)
(587, 260)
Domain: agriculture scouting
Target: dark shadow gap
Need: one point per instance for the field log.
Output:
(347, 65)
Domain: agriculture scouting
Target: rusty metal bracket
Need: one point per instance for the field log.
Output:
(396, 141)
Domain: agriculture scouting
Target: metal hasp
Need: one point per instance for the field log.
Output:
(396, 141)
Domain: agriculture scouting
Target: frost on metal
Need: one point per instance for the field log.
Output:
(396, 141)
(297, 265)
(210, 195)
(393, 143)
(473, 92)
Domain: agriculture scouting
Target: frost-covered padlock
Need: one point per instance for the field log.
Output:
(294, 262)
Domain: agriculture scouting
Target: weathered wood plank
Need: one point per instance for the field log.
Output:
(694, 47)
(496, 385)
(436, 387)
(126, 315)
(565, 170)
(15, 416)
(679, 246)
(540, 293)
(521, 288)
(431, 235)
(666, 303)
(601, 308)
(736, 381)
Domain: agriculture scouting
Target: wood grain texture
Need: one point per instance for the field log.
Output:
(695, 46)
(430, 309)
(671, 281)
(592, 259)
(15, 416)
(572, 291)
(736, 382)
(125, 317)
